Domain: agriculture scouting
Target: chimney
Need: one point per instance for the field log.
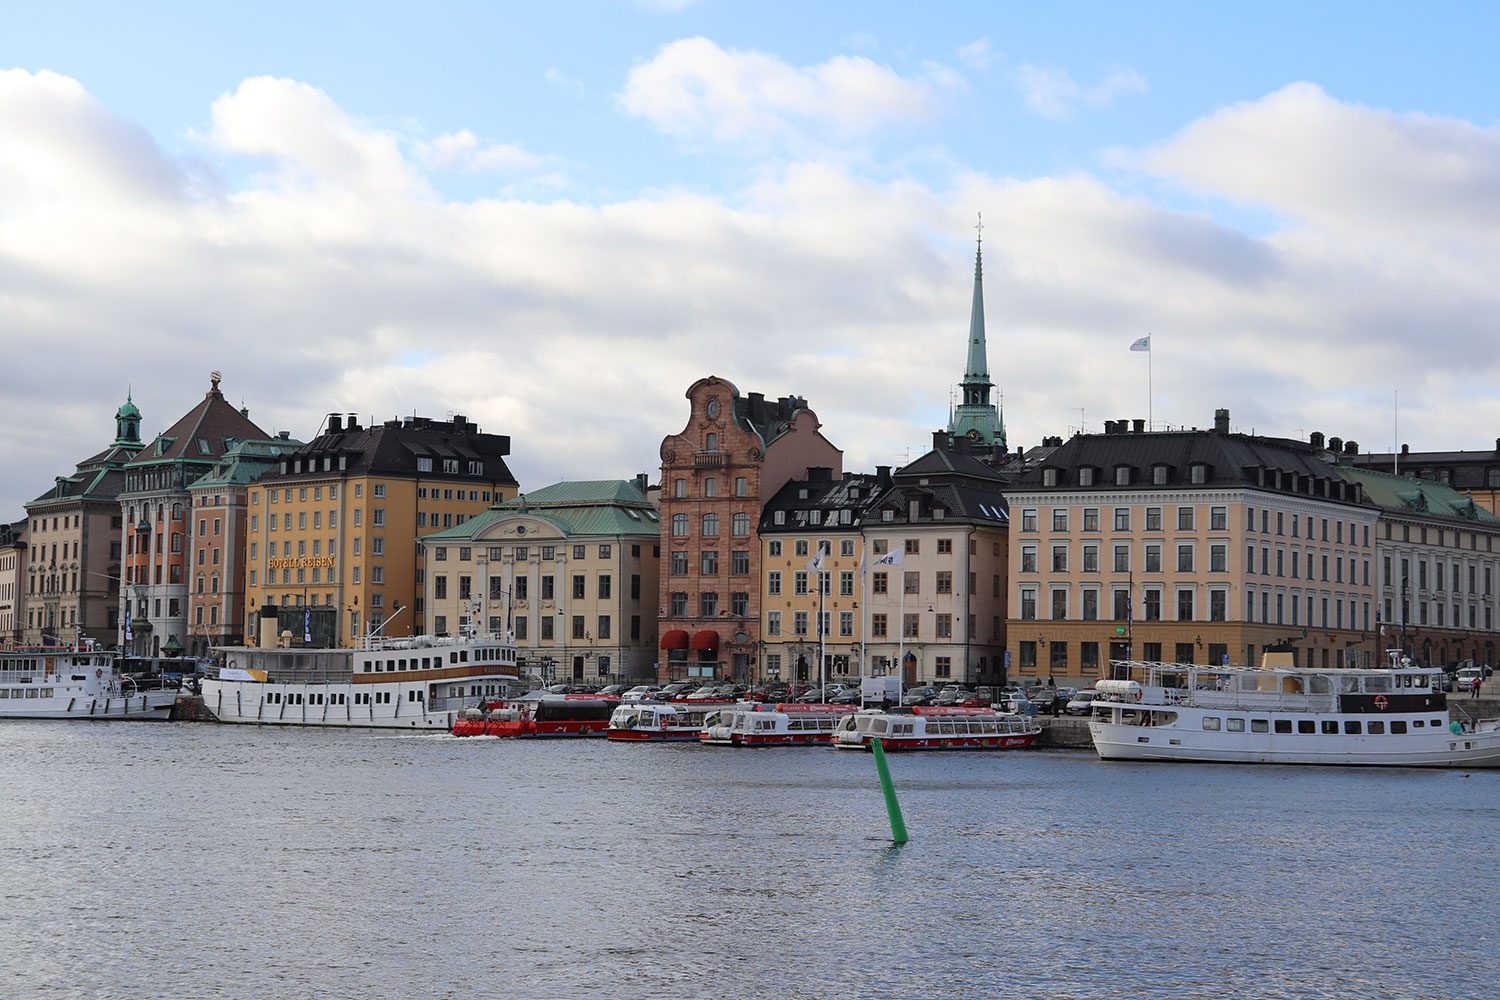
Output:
(1140, 426)
(1315, 439)
(939, 440)
(335, 423)
(1335, 444)
(1406, 449)
(1351, 447)
(642, 482)
(284, 435)
(883, 475)
(266, 632)
(1221, 421)
(819, 474)
(352, 424)
(1109, 426)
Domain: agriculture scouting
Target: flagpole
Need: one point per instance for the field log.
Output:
(864, 626)
(1149, 414)
(822, 680)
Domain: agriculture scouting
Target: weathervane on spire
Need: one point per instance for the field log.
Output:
(979, 228)
(214, 378)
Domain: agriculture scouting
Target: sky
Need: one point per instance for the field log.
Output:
(555, 218)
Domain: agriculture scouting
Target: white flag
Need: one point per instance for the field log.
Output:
(1144, 344)
(129, 637)
(307, 626)
(896, 558)
(816, 563)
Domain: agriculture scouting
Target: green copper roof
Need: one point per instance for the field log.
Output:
(1409, 495)
(978, 368)
(128, 408)
(601, 508)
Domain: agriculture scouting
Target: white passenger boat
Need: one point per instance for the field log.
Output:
(934, 727)
(658, 722)
(786, 724)
(80, 682)
(416, 682)
(1283, 714)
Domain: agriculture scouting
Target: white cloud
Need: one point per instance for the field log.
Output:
(559, 80)
(977, 54)
(463, 151)
(695, 90)
(335, 278)
(1053, 93)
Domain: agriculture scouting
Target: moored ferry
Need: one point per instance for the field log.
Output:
(414, 682)
(1283, 714)
(538, 717)
(785, 724)
(934, 727)
(80, 682)
(678, 721)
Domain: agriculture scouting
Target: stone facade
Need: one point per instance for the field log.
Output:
(12, 583)
(735, 452)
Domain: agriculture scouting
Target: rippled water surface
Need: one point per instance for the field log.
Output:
(183, 860)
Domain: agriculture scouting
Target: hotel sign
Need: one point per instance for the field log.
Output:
(299, 562)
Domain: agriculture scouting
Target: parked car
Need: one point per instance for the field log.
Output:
(919, 696)
(640, 692)
(849, 696)
(821, 695)
(1464, 679)
(677, 689)
(1082, 702)
(611, 691)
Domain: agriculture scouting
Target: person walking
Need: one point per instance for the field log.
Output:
(1475, 688)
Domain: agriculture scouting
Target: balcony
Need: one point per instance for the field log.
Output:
(710, 459)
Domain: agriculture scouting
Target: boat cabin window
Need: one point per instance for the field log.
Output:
(1210, 724)
(1330, 728)
(1235, 725)
(1306, 727)
(1260, 682)
(1348, 685)
(1318, 684)
(1260, 726)
(1351, 727)
(1437, 723)
(879, 726)
(1377, 729)
(1283, 725)
(1377, 684)
(1398, 727)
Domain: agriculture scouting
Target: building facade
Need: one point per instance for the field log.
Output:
(819, 514)
(1191, 546)
(217, 524)
(570, 569)
(735, 452)
(73, 565)
(332, 538)
(937, 543)
(155, 531)
(1476, 474)
(1438, 560)
(12, 583)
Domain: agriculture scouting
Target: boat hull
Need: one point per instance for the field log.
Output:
(244, 702)
(1020, 741)
(148, 706)
(654, 735)
(1437, 748)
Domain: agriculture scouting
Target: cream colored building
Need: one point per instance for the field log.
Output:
(571, 569)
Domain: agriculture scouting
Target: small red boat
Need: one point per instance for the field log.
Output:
(566, 715)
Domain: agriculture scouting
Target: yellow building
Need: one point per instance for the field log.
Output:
(332, 541)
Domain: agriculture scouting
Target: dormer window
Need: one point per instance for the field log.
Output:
(779, 517)
(887, 515)
(1122, 475)
(1159, 475)
(1049, 477)
(1198, 473)
(1086, 476)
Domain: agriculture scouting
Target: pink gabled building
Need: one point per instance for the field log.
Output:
(716, 473)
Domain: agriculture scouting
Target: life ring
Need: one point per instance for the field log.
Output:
(98, 673)
(1381, 702)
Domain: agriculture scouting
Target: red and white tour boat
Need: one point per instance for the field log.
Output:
(654, 722)
(786, 724)
(550, 715)
(934, 727)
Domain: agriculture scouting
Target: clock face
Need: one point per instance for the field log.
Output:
(713, 408)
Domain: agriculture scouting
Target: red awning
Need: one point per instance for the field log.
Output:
(706, 640)
(674, 639)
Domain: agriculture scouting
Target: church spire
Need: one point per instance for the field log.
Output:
(976, 418)
(978, 368)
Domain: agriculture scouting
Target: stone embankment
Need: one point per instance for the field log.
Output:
(190, 708)
(1070, 731)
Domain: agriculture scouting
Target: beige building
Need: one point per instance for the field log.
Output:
(819, 513)
(73, 565)
(12, 583)
(331, 549)
(571, 569)
(1190, 546)
(937, 543)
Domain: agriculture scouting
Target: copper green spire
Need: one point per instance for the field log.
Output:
(976, 418)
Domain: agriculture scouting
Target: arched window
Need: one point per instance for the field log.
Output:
(710, 487)
(710, 524)
(710, 442)
(214, 584)
(679, 525)
(740, 525)
(200, 583)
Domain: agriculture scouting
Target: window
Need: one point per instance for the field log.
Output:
(709, 563)
(1028, 520)
(1028, 603)
(741, 487)
(878, 626)
(944, 581)
(911, 582)
(739, 563)
(1028, 559)
(1184, 519)
(1153, 558)
(740, 525)
(1218, 557)
(1184, 605)
(679, 563)
(1091, 558)
(1218, 518)
(1090, 605)
(1153, 518)
(880, 584)
(1218, 605)
(679, 525)
(1060, 519)
(913, 546)
(710, 487)
(710, 524)
(1184, 558)
(1059, 558)
(1059, 605)
(1122, 518)
(1153, 605)
(1122, 558)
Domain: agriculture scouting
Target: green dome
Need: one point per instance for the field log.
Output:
(127, 410)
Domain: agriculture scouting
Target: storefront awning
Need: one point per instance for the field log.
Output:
(674, 639)
(705, 640)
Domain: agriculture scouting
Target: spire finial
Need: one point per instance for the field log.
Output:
(979, 228)
(214, 378)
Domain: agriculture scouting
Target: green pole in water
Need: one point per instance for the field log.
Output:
(892, 807)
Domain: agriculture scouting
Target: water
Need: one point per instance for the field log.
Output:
(179, 860)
